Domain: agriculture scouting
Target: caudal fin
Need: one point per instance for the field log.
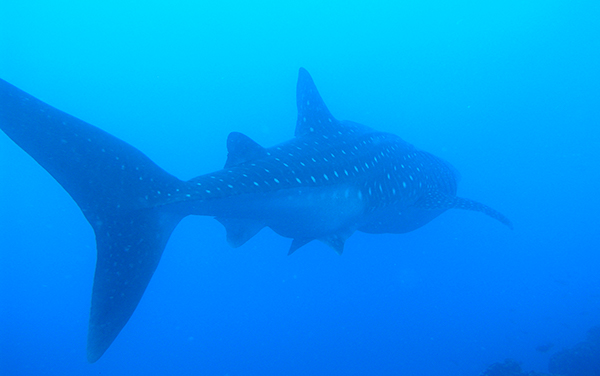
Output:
(121, 192)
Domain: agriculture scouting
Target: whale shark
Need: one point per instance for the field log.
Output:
(333, 178)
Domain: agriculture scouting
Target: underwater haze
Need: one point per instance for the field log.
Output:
(508, 92)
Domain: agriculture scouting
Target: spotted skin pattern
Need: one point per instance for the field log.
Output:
(332, 179)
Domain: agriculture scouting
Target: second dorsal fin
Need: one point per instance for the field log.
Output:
(242, 148)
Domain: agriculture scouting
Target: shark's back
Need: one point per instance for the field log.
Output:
(332, 179)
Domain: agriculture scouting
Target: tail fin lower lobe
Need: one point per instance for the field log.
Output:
(120, 191)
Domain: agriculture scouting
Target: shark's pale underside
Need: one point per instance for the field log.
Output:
(332, 179)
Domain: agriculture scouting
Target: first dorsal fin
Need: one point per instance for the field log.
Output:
(313, 115)
(242, 148)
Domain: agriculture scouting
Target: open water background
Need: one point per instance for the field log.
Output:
(506, 91)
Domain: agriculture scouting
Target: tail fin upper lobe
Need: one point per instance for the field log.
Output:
(120, 191)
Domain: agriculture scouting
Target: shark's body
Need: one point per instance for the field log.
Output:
(332, 179)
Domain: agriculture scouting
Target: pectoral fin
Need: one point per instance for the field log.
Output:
(436, 201)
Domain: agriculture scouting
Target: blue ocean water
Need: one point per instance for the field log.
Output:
(506, 91)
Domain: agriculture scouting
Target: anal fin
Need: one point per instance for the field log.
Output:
(297, 243)
(239, 231)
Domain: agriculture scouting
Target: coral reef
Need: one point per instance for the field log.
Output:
(583, 359)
